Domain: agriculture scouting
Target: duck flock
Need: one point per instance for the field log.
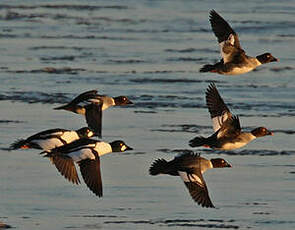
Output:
(64, 147)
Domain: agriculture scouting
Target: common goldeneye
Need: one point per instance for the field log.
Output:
(51, 138)
(91, 105)
(190, 167)
(234, 59)
(86, 153)
(228, 134)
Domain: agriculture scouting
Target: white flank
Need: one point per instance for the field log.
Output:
(85, 153)
(240, 70)
(49, 144)
(189, 177)
(236, 145)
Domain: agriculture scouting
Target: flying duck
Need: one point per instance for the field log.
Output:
(86, 153)
(228, 134)
(49, 139)
(91, 105)
(234, 59)
(190, 167)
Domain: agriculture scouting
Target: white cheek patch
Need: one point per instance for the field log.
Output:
(189, 177)
(90, 134)
(123, 148)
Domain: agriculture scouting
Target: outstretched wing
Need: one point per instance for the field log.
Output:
(222, 29)
(94, 117)
(66, 167)
(218, 110)
(228, 39)
(197, 187)
(90, 170)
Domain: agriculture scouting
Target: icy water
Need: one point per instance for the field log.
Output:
(150, 51)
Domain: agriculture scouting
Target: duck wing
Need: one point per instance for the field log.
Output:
(66, 167)
(197, 187)
(94, 117)
(228, 39)
(90, 170)
(218, 110)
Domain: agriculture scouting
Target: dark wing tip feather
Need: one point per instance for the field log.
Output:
(220, 27)
(94, 118)
(199, 194)
(90, 170)
(236, 122)
(214, 101)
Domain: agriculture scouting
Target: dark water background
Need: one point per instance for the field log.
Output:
(150, 51)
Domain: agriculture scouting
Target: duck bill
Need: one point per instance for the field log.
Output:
(129, 102)
(270, 133)
(275, 60)
(228, 165)
(128, 148)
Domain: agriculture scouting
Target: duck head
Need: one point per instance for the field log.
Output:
(122, 100)
(85, 132)
(266, 58)
(261, 132)
(220, 163)
(120, 146)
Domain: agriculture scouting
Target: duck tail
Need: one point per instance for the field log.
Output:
(19, 144)
(159, 166)
(198, 141)
(208, 68)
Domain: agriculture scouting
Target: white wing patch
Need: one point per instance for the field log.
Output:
(189, 177)
(226, 48)
(95, 100)
(218, 121)
(103, 148)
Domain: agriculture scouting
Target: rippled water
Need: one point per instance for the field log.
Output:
(150, 51)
